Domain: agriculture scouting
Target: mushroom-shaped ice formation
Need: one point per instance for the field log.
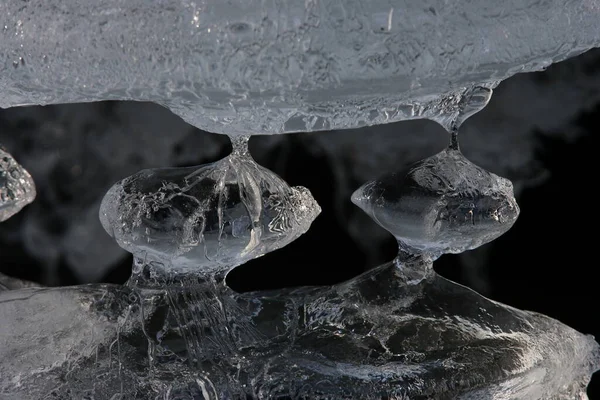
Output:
(442, 204)
(17, 188)
(215, 216)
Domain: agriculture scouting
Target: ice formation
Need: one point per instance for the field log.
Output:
(17, 188)
(443, 204)
(248, 67)
(371, 338)
(397, 331)
(212, 217)
(176, 331)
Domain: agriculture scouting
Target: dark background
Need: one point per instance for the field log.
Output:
(539, 130)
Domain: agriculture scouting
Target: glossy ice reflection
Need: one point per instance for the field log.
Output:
(17, 188)
(213, 216)
(442, 204)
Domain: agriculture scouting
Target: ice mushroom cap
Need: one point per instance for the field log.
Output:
(442, 204)
(218, 215)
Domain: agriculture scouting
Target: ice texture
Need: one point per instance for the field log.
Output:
(215, 216)
(373, 337)
(17, 188)
(398, 331)
(249, 67)
(10, 283)
(442, 204)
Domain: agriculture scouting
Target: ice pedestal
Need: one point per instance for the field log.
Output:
(249, 67)
(370, 338)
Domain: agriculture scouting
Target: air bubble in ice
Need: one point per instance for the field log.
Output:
(442, 204)
(214, 216)
(17, 188)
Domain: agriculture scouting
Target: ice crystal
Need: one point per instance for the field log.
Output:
(215, 216)
(443, 204)
(16, 186)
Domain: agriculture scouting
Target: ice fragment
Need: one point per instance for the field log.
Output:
(17, 188)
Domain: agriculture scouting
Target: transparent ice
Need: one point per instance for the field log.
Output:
(443, 204)
(398, 331)
(374, 337)
(272, 66)
(176, 331)
(17, 188)
(212, 217)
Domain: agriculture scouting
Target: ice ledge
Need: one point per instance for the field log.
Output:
(275, 66)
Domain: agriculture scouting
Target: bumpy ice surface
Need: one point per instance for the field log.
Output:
(442, 204)
(17, 188)
(313, 66)
(215, 216)
(371, 338)
(247, 67)
(398, 331)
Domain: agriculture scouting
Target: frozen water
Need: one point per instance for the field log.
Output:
(97, 144)
(215, 216)
(454, 109)
(16, 186)
(9, 283)
(75, 152)
(187, 336)
(318, 65)
(443, 204)
(248, 67)
(371, 338)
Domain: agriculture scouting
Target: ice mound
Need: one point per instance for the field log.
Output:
(373, 337)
